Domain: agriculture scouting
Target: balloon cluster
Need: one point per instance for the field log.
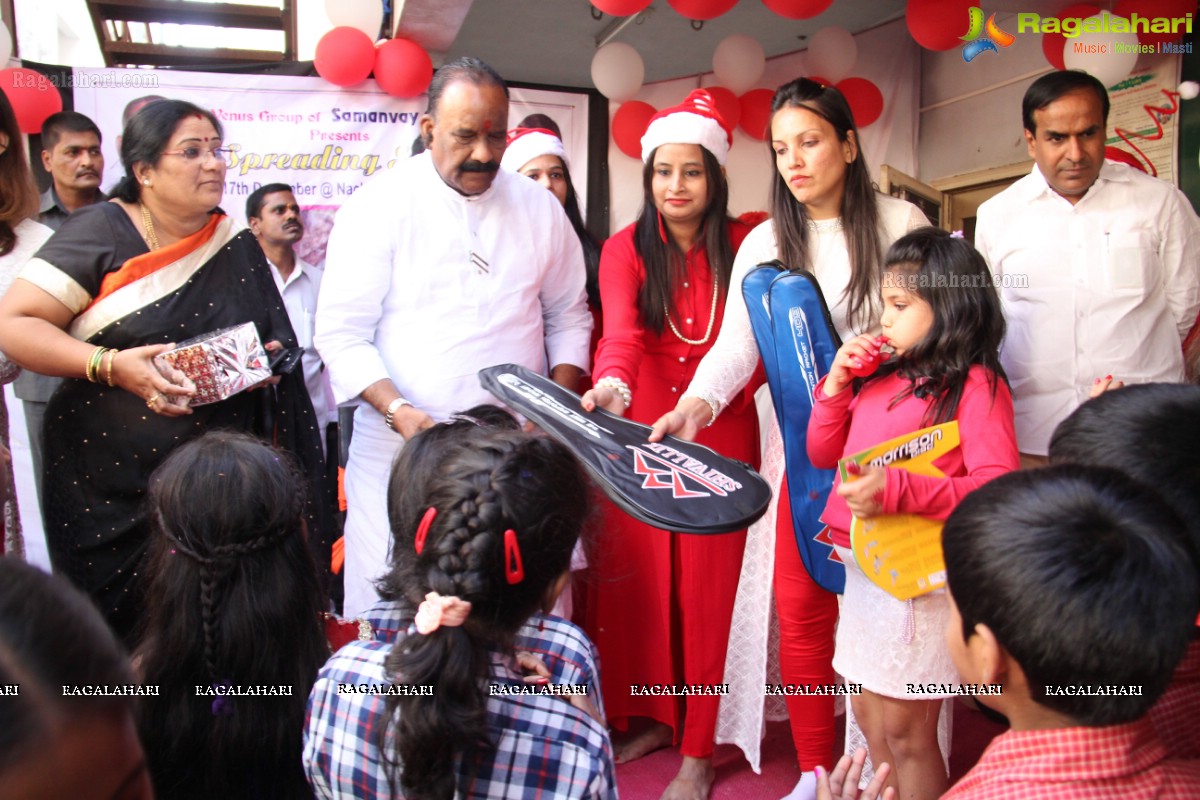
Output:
(347, 54)
(31, 94)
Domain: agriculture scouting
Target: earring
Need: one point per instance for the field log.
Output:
(145, 181)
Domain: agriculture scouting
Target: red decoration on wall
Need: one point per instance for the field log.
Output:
(1123, 157)
(798, 9)
(865, 99)
(727, 105)
(1149, 9)
(938, 24)
(621, 8)
(628, 125)
(402, 68)
(1053, 43)
(32, 97)
(345, 56)
(702, 9)
(756, 113)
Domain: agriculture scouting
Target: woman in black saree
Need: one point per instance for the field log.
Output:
(157, 265)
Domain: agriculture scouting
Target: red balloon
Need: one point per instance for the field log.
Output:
(798, 9)
(865, 99)
(756, 113)
(32, 97)
(727, 105)
(1149, 9)
(628, 125)
(1053, 43)
(345, 56)
(1123, 157)
(938, 24)
(402, 68)
(621, 8)
(702, 9)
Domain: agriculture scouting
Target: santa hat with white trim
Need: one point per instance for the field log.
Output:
(526, 144)
(694, 121)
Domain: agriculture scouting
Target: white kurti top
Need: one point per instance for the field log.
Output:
(1110, 285)
(723, 373)
(31, 235)
(299, 294)
(425, 287)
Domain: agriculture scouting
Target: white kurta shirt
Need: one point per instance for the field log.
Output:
(426, 287)
(1110, 285)
(299, 294)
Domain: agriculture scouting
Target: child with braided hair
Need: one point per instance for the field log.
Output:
(233, 635)
(483, 525)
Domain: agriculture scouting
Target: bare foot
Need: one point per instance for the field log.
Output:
(655, 737)
(693, 782)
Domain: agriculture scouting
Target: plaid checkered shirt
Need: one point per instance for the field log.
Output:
(1117, 762)
(546, 748)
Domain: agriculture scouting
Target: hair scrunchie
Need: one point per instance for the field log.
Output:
(436, 611)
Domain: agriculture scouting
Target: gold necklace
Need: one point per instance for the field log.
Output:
(151, 236)
(712, 318)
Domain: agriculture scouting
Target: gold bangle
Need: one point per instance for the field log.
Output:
(93, 364)
(112, 356)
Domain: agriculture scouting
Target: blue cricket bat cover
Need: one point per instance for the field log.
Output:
(672, 485)
(797, 341)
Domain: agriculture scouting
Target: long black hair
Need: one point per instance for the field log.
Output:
(665, 262)
(233, 599)
(968, 326)
(591, 247)
(18, 193)
(859, 212)
(482, 485)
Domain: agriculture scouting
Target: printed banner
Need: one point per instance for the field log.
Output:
(323, 140)
(902, 553)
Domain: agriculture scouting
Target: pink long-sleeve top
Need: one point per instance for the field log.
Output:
(847, 423)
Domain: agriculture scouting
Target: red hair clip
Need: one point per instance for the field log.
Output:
(423, 528)
(514, 570)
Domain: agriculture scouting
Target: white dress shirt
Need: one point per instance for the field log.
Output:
(299, 293)
(427, 286)
(1110, 285)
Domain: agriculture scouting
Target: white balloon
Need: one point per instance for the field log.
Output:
(831, 53)
(1108, 57)
(738, 62)
(618, 71)
(5, 45)
(366, 15)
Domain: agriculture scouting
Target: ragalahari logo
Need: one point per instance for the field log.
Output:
(982, 38)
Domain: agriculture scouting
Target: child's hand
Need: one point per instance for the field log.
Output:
(864, 495)
(842, 783)
(1102, 385)
(856, 358)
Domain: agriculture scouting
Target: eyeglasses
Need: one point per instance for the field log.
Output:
(198, 153)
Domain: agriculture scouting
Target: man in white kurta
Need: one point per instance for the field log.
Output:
(439, 268)
(1098, 264)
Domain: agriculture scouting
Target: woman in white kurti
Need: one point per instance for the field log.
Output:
(827, 218)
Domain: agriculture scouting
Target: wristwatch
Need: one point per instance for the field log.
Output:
(389, 416)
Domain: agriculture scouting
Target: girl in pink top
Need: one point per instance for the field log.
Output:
(943, 322)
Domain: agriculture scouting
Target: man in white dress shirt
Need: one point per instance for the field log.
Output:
(1098, 263)
(274, 218)
(436, 269)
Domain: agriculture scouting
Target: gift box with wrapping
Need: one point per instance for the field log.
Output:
(221, 363)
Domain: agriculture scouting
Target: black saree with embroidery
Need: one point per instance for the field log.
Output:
(102, 443)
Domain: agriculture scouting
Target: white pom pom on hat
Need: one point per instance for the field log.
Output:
(694, 121)
(526, 144)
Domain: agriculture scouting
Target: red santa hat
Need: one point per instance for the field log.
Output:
(526, 144)
(694, 121)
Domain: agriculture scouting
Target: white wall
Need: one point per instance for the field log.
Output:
(886, 55)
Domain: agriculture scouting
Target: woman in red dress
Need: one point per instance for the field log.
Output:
(661, 602)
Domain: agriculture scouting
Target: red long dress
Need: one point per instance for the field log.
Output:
(660, 603)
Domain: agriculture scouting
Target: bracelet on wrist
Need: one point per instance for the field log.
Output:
(91, 370)
(389, 416)
(713, 403)
(112, 356)
(619, 386)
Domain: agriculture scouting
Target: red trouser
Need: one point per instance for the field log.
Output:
(807, 617)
